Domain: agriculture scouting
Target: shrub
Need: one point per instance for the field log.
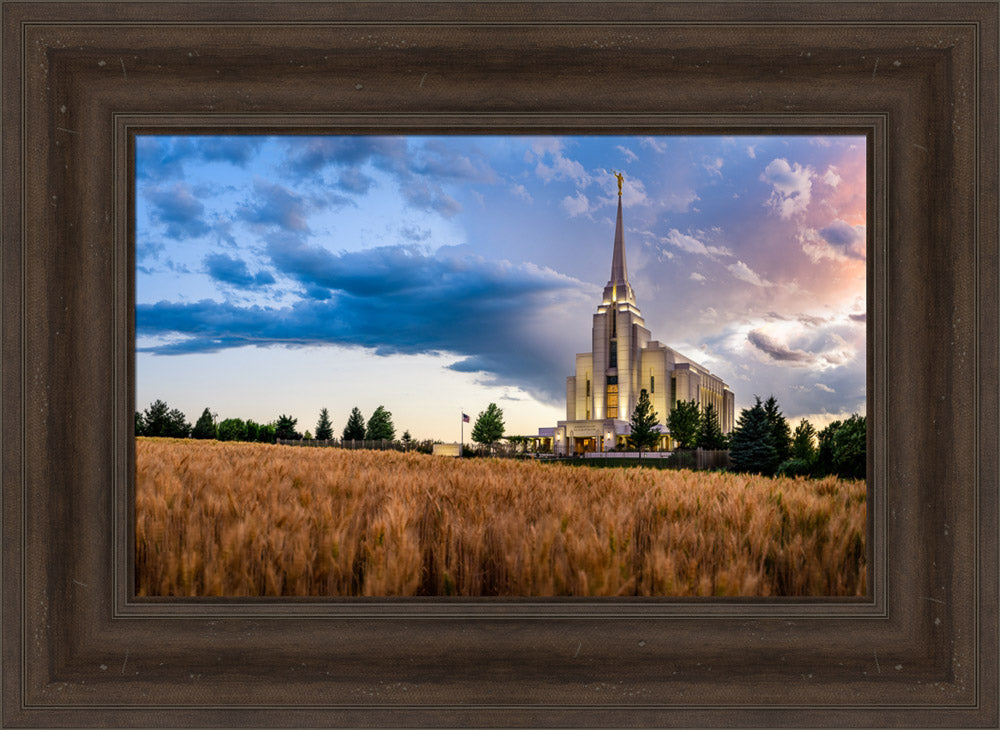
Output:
(794, 468)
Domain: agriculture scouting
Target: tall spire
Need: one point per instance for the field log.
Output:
(619, 273)
(618, 288)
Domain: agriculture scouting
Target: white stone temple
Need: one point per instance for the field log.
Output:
(602, 393)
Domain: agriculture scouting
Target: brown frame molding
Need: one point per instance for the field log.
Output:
(80, 78)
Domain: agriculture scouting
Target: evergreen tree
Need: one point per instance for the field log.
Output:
(804, 442)
(750, 448)
(684, 422)
(177, 425)
(380, 426)
(489, 426)
(232, 429)
(324, 429)
(160, 420)
(710, 436)
(407, 440)
(284, 428)
(355, 428)
(156, 419)
(644, 431)
(140, 424)
(781, 435)
(205, 427)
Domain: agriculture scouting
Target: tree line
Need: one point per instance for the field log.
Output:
(161, 420)
(762, 441)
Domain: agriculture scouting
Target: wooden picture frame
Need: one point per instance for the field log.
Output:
(919, 79)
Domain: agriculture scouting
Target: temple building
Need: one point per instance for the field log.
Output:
(602, 393)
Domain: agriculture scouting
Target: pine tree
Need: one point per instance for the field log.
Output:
(489, 426)
(824, 449)
(177, 425)
(643, 426)
(355, 428)
(710, 436)
(781, 434)
(284, 428)
(684, 422)
(156, 419)
(407, 440)
(804, 442)
(751, 449)
(380, 426)
(205, 427)
(140, 424)
(324, 429)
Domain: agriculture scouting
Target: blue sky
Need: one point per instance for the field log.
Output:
(434, 275)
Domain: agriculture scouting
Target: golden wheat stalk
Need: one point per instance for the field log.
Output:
(237, 519)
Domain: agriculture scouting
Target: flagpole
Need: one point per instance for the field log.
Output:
(461, 440)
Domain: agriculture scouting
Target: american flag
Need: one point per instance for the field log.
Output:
(465, 418)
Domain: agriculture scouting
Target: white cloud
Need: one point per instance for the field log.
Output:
(714, 166)
(633, 190)
(695, 276)
(741, 271)
(653, 144)
(575, 206)
(679, 202)
(825, 388)
(837, 241)
(563, 168)
(830, 177)
(691, 244)
(791, 187)
(521, 192)
(629, 154)
(752, 151)
(546, 145)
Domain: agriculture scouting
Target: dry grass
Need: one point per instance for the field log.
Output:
(234, 519)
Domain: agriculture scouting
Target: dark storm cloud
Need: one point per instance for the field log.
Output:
(309, 155)
(145, 250)
(850, 240)
(774, 349)
(235, 272)
(275, 205)
(352, 180)
(429, 196)
(860, 317)
(412, 233)
(395, 300)
(177, 209)
(417, 168)
(235, 150)
(162, 158)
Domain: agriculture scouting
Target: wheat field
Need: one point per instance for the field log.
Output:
(240, 519)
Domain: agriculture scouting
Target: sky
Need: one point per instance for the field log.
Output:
(435, 275)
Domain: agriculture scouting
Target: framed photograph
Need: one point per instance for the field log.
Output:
(282, 279)
(181, 225)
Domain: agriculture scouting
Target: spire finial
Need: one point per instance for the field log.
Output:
(620, 179)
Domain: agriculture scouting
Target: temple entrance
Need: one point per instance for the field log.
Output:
(584, 445)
